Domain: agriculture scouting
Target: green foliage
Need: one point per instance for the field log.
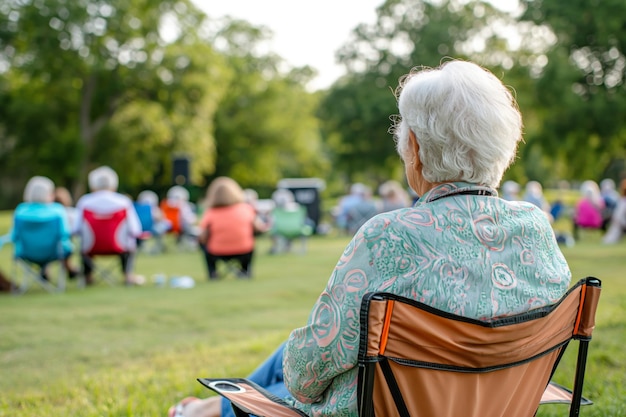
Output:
(132, 84)
(406, 34)
(580, 92)
(265, 127)
(356, 126)
(77, 64)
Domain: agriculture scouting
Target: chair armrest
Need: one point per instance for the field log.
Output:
(249, 398)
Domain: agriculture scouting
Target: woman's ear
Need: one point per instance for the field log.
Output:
(414, 149)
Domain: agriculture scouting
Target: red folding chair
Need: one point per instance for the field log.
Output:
(103, 234)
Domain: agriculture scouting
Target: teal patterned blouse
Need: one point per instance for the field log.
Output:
(477, 256)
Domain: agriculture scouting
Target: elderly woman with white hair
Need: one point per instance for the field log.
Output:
(104, 200)
(460, 248)
(39, 205)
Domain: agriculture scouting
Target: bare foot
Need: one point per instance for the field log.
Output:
(195, 407)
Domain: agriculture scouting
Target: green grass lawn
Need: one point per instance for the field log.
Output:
(117, 351)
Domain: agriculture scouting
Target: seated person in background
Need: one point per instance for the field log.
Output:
(39, 205)
(534, 195)
(285, 202)
(588, 210)
(346, 203)
(252, 197)
(62, 196)
(510, 191)
(104, 199)
(227, 227)
(460, 246)
(617, 226)
(180, 212)
(362, 210)
(285, 199)
(393, 195)
(610, 196)
(160, 224)
(558, 208)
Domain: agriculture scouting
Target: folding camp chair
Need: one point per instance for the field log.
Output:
(101, 235)
(173, 214)
(289, 224)
(415, 360)
(149, 241)
(185, 239)
(37, 243)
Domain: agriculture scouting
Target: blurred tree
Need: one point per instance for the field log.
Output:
(406, 34)
(580, 91)
(76, 66)
(265, 127)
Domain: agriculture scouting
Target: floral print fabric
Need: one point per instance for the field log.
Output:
(478, 256)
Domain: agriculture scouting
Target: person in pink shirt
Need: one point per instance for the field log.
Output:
(588, 210)
(227, 227)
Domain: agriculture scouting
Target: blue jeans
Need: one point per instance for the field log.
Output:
(269, 375)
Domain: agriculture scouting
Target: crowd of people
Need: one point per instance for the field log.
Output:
(600, 207)
(225, 224)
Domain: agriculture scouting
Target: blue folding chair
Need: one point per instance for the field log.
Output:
(37, 243)
(150, 239)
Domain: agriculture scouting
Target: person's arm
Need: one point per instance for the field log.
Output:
(328, 345)
(78, 220)
(132, 219)
(65, 223)
(203, 236)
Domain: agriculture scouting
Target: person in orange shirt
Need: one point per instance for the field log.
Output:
(227, 227)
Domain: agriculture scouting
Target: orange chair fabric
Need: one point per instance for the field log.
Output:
(172, 213)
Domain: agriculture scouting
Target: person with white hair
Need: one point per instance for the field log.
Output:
(177, 208)
(459, 249)
(104, 199)
(534, 194)
(39, 205)
(510, 190)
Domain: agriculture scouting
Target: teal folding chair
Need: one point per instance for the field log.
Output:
(37, 243)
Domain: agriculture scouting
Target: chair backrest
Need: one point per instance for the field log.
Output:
(419, 361)
(144, 212)
(290, 223)
(173, 214)
(104, 234)
(38, 240)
